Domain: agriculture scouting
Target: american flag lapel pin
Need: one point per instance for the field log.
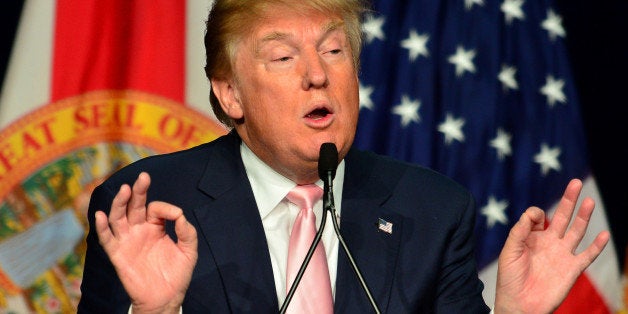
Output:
(384, 225)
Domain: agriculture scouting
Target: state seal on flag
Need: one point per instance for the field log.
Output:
(50, 161)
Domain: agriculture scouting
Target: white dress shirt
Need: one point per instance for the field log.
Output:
(270, 189)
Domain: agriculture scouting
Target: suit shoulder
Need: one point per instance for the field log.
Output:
(410, 190)
(188, 163)
(393, 172)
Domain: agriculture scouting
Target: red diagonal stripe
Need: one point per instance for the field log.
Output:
(119, 44)
(583, 298)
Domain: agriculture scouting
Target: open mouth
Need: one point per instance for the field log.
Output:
(318, 114)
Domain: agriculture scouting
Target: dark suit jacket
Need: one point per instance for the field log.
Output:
(426, 265)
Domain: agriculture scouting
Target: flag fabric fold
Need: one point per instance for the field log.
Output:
(482, 91)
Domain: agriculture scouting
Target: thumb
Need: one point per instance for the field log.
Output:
(533, 219)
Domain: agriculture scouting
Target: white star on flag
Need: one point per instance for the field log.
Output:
(512, 10)
(462, 59)
(408, 110)
(416, 45)
(553, 90)
(468, 4)
(372, 28)
(365, 97)
(553, 25)
(495, 212)
(547, 158)
(501, 143)
(507, 77)
(452, 129)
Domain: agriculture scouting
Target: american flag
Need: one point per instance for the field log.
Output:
(482, 92)
(384, 225)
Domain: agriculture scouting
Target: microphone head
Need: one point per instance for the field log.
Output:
(327, 161)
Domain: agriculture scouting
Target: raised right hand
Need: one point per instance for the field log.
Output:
(154, 270)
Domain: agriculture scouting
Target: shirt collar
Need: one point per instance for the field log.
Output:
(270, 187)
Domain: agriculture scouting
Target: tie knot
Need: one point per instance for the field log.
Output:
(305, 196)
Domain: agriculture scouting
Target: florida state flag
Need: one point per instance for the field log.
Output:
(91, 87)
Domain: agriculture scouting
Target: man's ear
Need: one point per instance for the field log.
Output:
(228, 97)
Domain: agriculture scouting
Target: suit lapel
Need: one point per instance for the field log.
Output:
(374, 251)
(233, 234)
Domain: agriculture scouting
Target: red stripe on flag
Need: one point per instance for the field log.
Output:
(583, 298)
(119, 44)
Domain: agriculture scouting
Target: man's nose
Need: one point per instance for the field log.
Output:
(315, 72)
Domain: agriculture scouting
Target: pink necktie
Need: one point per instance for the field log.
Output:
(313, 294)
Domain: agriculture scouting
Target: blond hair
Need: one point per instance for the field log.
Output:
(229, 20)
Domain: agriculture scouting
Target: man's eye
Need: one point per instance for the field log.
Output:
(335, 51)
(282, 59)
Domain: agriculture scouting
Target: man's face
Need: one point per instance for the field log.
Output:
(295, 87)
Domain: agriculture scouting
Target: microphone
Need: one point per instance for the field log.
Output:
(327, 164)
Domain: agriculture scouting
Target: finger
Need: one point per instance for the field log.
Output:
(565, 208)
(533, 219)
(117, 214)
(105, 236)
(136, 211)
(580, 224)
(186, 234)
(589, 255)
(537, 218)
(158, 211)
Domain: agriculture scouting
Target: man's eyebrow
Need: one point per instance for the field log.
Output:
(280, 36)
(332, 26)
(273, 36)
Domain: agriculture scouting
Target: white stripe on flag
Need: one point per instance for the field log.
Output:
(196, 84)
(604, 272)
(27, 80)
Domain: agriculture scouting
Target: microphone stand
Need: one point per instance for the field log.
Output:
(327, 170)
(328, 204)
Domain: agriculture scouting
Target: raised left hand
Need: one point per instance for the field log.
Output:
(538, 266)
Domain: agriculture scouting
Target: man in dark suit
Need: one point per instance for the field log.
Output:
(213, 237)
